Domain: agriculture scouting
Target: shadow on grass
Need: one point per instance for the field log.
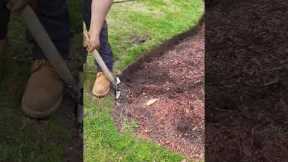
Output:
(23, 139)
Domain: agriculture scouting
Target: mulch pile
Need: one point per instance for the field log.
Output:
(246, 81)
(166, 96)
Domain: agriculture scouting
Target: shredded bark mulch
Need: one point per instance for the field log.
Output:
(166, 96)
(246, 81)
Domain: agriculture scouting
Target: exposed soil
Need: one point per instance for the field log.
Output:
(172, 78)
(246, 81)
(74, 149)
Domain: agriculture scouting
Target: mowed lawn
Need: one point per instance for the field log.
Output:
(135, 27)
(23, 139)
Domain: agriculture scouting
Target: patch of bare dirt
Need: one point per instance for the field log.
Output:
(166, 96)
(73, 151)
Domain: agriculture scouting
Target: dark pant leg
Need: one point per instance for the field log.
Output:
(105, 48)
(53, 14)
(4, 19)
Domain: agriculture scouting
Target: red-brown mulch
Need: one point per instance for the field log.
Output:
(246, 81)
(175, 80)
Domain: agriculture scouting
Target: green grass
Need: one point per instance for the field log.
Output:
(23, 139)
(153, 21)
(104, 143)
(20, 139)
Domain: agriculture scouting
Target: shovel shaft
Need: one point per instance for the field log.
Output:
(100, 61)
(104, 68)
(54, 58)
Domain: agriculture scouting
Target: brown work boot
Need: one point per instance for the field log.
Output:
(101, 85)
(44, 91)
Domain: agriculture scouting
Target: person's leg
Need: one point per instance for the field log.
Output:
(105, 48)
(101, 85)
(54, 16)
(44, 90)
(4, 19)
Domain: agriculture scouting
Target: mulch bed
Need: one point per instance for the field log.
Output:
(246, 81)
(173, 84)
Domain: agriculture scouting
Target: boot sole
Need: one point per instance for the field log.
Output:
(101, 95)
(41, 115)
